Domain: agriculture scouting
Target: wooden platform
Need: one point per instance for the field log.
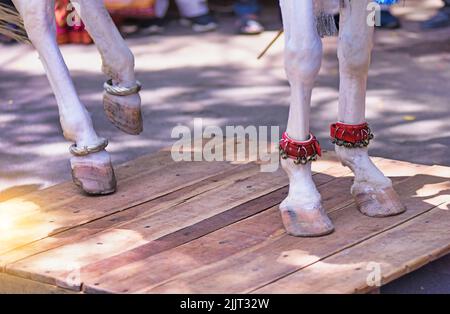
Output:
(214, 227)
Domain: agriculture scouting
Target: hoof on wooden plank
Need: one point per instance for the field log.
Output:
(94, 173)
(306, 223)
(124, 112)
(379, 202)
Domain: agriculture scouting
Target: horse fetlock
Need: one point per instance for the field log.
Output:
(367, 175)
(121, 69)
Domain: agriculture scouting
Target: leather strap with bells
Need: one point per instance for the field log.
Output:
(351, 135)
(301, 151)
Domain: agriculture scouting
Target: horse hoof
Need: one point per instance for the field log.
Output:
(94, 173)
(124, 112)
(306, 223)
(379, 202)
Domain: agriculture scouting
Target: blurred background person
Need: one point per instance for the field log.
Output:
(440, 19)
(194, 14)
(247, 12)
(388, 20)
(149, 16)
(130, 15)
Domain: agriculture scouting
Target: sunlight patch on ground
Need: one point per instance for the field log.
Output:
(50, 149)
(15, 221)
(425, 128)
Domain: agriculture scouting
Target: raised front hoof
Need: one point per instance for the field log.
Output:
(379, 202)
(94, 174)
(124, 112)
(306, 223)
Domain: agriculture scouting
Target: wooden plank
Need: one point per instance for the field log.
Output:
(20, 211)
(16, 285)
(125, 216)
(250, 233)
(63, 193)
(139, 166)
(194, 231)
(25, 221)
(215, 221)
(43, 267)
(383, 258)
(162, 223)
(267, 225)
(277, 257)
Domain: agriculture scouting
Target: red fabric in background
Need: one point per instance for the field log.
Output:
(119, 10)
(65, 33)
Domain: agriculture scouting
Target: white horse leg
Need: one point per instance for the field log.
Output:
(372, 191)
(122, 108)
(93, 173)
(302, 211)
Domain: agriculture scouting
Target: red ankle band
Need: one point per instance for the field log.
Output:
(301, 152)
(351, 135)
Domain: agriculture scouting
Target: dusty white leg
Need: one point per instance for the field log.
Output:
(118, 64)
(76, 122)
(372, 190)
(302, 211)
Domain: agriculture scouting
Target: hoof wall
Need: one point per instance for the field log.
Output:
(379, 203)
(306, 223)
(124, 112)
(94, 177)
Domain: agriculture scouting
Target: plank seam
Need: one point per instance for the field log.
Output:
(92, 221)
(253, 214)
(335, 209)
(274, 238)
(143, 216)
(376, 234)
(222, 227)
(182, 201)
(116, 212)
(408, 269)
(225, 183)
